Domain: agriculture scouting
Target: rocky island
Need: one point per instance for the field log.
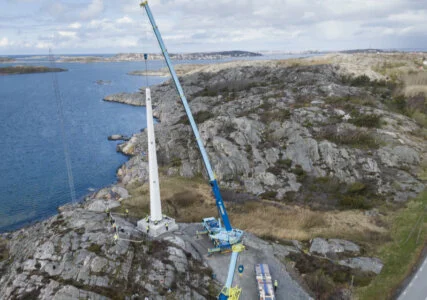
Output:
(12, 70)
(322, 161)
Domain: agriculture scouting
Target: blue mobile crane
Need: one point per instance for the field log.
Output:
(224, 237)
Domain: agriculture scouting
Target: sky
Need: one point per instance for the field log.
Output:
(113, 26)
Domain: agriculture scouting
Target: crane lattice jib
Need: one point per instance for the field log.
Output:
(212, 179)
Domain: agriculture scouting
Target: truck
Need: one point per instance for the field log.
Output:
(264, 282)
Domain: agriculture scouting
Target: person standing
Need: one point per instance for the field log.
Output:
(275, 285)
(167, 226)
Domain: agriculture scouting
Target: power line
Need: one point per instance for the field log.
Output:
(60, 113)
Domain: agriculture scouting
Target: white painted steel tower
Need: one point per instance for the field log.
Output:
(155, 203)
(156, 223)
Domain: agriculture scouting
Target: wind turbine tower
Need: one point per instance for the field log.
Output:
(155, 224)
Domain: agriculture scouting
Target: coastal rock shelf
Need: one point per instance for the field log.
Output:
(136, 99)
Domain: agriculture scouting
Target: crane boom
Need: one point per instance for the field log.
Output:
(212, 180)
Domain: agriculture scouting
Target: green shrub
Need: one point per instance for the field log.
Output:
(354, 202)
(269, 195)
(176, 162)
(366, 120)
(299, 172)
(420, 118)
(352, 137)
(95, 248)
(275, 170)
(285, 162)
(202, 116)
(319, 283)
(356, 188)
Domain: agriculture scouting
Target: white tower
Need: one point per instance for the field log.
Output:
(155, 203)
(156, 223)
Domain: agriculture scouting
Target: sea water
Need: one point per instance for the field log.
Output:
(33, 174)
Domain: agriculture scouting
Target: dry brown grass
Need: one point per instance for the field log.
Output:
(296, 62)
(186, 199)
(415, 84)
(294, 222)
(190, 200)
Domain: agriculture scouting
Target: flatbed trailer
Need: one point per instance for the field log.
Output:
(264, 281)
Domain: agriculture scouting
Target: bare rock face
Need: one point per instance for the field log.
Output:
(267, 129)
(73, 256)
(366, 264)
(323, 247)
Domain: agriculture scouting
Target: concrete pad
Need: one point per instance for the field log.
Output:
(157, 228)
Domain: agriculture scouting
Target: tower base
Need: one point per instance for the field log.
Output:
(157, 228)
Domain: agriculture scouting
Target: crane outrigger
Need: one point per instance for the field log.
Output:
(224, 237)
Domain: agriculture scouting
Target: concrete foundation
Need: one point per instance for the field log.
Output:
(157, 228)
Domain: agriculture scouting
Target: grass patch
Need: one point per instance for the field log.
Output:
(95, 248)
(186, 199)
(402, 252)
(366, 120)
(275, 115)
(356, 138)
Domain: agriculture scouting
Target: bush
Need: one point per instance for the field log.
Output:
(285, 162)
(269, 195)
(319, 283)
(275, 115)
(299, 171)
(361, 80)
(275, 170)
(420, 118)
(354, 202)
(95, 248)
(368, 120)
(351, 137)
(356, 188)
(176, 162)
(202, 116)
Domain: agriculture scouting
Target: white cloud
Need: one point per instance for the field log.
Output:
(127, 42)
(200, 25)
(412, 17)
(93, 10)
(43, 45)
(67, 34)
(75, 25)
(4, 42)
(124, 20)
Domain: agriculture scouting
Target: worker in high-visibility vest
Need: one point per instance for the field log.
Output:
(275, 284)
(167, 226)
(116, 238)
(148, 229)
(126, 212)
